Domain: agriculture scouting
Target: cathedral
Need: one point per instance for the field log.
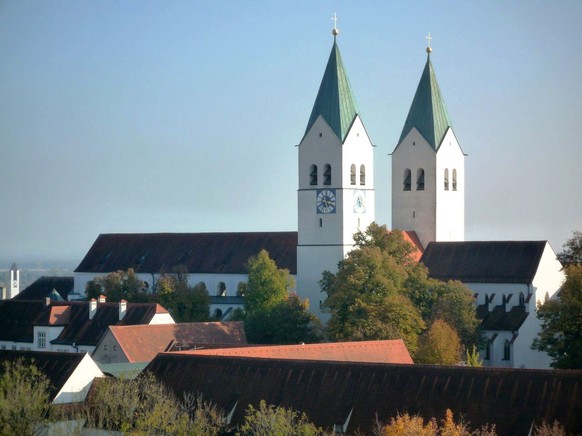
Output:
(336, 198)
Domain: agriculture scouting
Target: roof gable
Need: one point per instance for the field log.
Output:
(335, 100)
(203, 253)
(387, 351)
(45, 287)
(484, 261)
(428, 113)
(141, 343)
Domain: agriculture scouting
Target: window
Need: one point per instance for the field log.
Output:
(362, 175)
(313, 175)
(221, 289)
(521, 299)
(327, 174)
(115, 348)
(41, 339)
(420, 180)
(407, 177)
(454, 179)
(353, 175)
(241, 289)
(217, 313)
(446, 179)
(506, 350)
(320, 222)
(487, 351)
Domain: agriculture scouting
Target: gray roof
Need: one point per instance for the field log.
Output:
(484, 261)
(210, 253)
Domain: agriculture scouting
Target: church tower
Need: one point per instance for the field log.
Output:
(336, 180)
(428, 168)
(14, 281)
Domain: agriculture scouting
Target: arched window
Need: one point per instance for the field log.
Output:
(487, 351)
(446, 179)
(353, 175)
(241, 289)
(454, 179)
(506, 350)
(327, 174)
(221, 289)
(313, 175)
(217, 313)
(521, 299)
(362, 175)
(420, 180)
(407, 177)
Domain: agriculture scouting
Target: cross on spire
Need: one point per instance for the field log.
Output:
(335, 30)
(428, 38)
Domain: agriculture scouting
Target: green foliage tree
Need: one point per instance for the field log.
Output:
(267, 285)
(270, 420)
(572, 250)
(407, 425)
(561, 318)
(272, 314)
(24, 397)
(184, 302)
(380, 292)
(439, 345)
(117, 286)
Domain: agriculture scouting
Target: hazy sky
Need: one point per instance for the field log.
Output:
(183, 116)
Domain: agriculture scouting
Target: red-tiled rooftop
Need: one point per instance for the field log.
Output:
(141, 343)
(388, 351)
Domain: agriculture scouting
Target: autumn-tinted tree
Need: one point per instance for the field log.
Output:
(439, 345)
(272, 314)
(561, 318)
(184, 302)
(119, 285)
(380, 292)
(24, 397)
(572, 250)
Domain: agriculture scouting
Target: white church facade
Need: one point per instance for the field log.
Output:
(336, 198)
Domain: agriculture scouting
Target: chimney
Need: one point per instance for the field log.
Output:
(102, 298)
(47, 301)
(92, 308)
(122, 309)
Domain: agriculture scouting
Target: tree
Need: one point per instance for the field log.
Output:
(269, 420)
(439, 345)
(380, 292)
(267, 285)
(561, 318)
(24, 397)
(272, 315)
(117, 286)
(572, 253)
(473, 358)
(184, 302)
(404, 425)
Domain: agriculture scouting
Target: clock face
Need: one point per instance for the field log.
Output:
(359, 202)
(325, 201)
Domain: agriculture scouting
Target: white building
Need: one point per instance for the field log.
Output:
(509, 278)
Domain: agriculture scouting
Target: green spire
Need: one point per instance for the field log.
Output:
(335, 100)
(428, 112)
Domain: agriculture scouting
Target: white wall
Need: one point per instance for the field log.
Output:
(76, 387)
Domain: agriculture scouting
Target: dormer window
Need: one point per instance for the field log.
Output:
(313, 175)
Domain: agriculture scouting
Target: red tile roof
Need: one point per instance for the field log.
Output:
(225, 253)
(141, 343)
(389, 351)
(411, 237)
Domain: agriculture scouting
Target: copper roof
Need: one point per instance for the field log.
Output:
(141, 343)
(484, 261)
(329, 391)
(44, 286)
(389, 351)
(225, 253)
